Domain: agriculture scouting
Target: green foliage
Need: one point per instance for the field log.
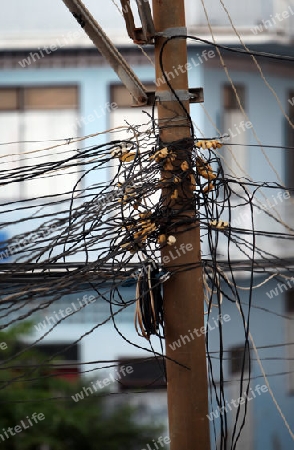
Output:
(27, 387)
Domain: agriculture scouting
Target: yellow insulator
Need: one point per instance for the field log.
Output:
(184, 166)
(175, 194)
(127, 157)
(208, 188)
(161, 239)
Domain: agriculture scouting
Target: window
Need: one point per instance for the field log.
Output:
(289, 154)
(50, 98)
(236, 125)
(40, 98)
(289, 300)
(66, 352)
(125, 110)
(230, 99)
(65, 365)
(122, 97)
(9, 99)
(145, 373)
(30, 117)
(236, 360)
(236, 355)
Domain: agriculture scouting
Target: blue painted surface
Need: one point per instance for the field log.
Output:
(270, 128)
(267, 328)
(3, 247)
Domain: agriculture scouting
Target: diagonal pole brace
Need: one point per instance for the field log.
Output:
(108, 50)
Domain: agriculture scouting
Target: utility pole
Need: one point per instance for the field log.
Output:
(187, 387)
(187, 390)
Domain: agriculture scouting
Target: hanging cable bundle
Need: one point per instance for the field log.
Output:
(149, 303)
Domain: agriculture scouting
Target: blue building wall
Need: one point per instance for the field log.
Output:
(267, 329)
(263, 111)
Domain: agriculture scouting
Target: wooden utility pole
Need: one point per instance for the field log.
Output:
(187, 389)
(183, 294)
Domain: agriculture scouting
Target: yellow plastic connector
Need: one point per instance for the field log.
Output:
(219, 224)
(208, 144)
(123, 153)
(208, 188)
(204, 169)
(160, 154)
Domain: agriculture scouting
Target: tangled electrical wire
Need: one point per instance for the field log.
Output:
(127, 222)
(111, 232)
(116, 230)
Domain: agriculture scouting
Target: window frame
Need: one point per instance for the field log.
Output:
(289, 331)
(289, 142)
(23, 110)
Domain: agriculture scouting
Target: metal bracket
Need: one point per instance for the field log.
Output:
(144, 35)
(194, 95)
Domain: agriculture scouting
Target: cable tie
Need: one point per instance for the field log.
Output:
(170, 32)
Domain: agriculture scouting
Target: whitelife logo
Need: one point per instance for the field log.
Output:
(269, 23)
(35, 237)
(3, 346)
(282, 287)
(203, 330)
(179, 252)
(240, 401)
(41, 53)
(205, 55)
(241, 128)
(122, 372)
(270, 203)
(24, 425)
(96, 114)
(63, 313)
(161, 440)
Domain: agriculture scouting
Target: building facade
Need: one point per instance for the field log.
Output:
(54, 85)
